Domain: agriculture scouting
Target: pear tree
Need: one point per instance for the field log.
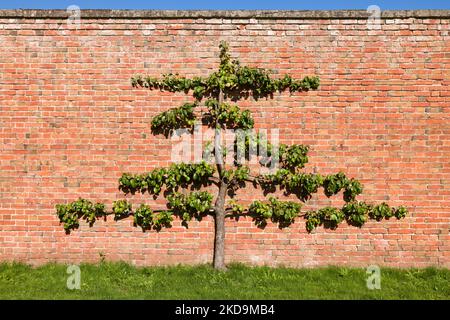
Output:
(187, 186)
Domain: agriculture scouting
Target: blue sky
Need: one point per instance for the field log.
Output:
(226, 4)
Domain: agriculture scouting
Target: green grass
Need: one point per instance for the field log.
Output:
(122, 281)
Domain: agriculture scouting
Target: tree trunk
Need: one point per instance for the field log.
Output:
(219, 219)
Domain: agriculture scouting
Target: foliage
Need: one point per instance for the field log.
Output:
(356, 213)
(329, 216)
(238, 175)
(281, 212)
(176, 118)
(381, 211)
(333, 183)
(261, 212)
(269, 181)
(226, 115)
(401, 212)
(121, 209)
(294, 156)
(303, 184)
(235, 207)
(284, 212)
(162, 219)
(178, 174)
(71, 213)
(336, 182)
(195, 204)
(143, 217)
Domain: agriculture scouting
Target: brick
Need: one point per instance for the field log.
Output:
(70, 124)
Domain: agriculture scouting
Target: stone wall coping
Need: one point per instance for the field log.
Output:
(223, 14)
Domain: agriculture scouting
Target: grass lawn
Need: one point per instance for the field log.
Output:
(122, 281)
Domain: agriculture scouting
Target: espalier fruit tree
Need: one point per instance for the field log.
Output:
(181, 183)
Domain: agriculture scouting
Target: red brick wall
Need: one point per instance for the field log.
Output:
(70, 124)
